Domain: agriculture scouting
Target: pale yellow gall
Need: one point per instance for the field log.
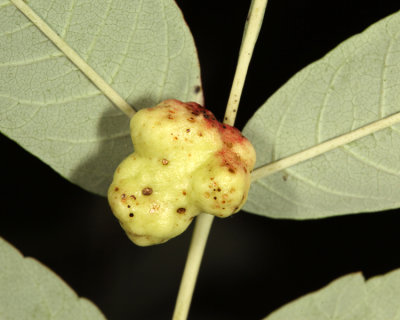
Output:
(185, 162)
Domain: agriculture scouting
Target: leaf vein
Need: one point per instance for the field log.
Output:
(95, 140)
(383, 75)
(327, 190)
(69, 20)
(33, 61)
(48, 103)
(267, 187)
(166, 67)
(21, 28)
(364, 160)
(325, 100)
(128, 43)
(100, 29)
(283, 118)
(6, 4)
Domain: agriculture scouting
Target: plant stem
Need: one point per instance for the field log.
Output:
(71, 54)
(326, 146)
(204, 221)
(196, 250)
(251, 31)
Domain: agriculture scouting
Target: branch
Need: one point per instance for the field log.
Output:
(197, 245)
(204, 220)
(251, 31)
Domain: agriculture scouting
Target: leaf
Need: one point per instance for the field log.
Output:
(29, 290)
(355, 84)
(143, 49)
(349, 297)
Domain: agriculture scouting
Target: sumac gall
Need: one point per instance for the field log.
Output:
(209, 160)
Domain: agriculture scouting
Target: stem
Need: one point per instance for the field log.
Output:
(204, 221)
(325, 146)
(71, 54)
(196, 250)
(251, 31)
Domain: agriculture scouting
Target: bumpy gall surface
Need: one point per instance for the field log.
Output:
(185, 162)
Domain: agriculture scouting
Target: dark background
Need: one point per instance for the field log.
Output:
(252, 265)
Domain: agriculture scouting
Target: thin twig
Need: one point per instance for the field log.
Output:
(325, 147)
(252, 29)
(71, 54)
(198, 243)
(204, 220)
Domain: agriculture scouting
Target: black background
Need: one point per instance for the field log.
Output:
(252, 265)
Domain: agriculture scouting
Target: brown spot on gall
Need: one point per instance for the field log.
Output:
(132, 197)
(165, 162)
(123, 196)
(215, 198)
(191, 119)
(181, 210)
(129, 205)
(170, 117)
(197, 89)
(147, 191)
(131, 214)
(187, 130)
(116, 189)
(231, 170)
(184, 192)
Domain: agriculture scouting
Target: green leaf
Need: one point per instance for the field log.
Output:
(29, 290)
(143, 49)
(355, 84)
(348, 298)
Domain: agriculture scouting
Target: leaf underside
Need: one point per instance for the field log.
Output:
(355, 84)
(348, 298)
(143, 49)
(31, 291)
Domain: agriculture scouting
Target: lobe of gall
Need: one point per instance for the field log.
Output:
(185, 162)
